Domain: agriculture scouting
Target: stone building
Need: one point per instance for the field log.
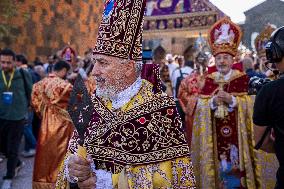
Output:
(270, 11)
(42, 27)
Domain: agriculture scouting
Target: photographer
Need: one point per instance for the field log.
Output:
(269, 107)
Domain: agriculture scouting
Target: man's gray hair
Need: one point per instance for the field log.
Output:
(138, 66)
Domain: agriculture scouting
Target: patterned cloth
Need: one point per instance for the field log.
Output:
(140, 149)
(189, 90)
(120, 32)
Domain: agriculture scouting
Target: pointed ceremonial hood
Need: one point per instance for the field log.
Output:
(120, 32)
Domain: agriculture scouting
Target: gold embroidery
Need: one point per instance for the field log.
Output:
(118, 34)
(122, 137)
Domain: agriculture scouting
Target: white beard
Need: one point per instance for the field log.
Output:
(106, 93)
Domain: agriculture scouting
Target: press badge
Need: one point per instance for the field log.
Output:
(7, 98)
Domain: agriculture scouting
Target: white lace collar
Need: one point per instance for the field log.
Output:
(227, 76)
(125, 96)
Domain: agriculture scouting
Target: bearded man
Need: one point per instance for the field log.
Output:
(134, 138)
(222, 142)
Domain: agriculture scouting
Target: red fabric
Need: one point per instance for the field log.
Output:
(238, 85)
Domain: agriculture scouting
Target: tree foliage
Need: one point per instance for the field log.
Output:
(8, 11)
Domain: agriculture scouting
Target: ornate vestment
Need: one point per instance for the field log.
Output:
(142, 140)
(189, 90)
(49, 100)
(222, 149)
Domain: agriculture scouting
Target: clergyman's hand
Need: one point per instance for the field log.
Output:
(216, 101)
(225, 97)
(79, 168)
(90, 183)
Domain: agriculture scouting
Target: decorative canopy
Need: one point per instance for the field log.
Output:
(225, 37)
(120, 32)
(165, 15)
(262, 39)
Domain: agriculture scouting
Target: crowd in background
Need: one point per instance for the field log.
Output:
(38, 70)
(173, 70)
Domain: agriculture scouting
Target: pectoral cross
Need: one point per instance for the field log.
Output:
(222, 110)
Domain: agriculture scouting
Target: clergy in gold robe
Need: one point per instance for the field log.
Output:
(222, 139)
(134, 138)
(189, 90)
(50, 98)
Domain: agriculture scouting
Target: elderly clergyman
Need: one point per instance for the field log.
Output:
(134, 139)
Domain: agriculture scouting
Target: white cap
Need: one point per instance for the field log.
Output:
(169, 57)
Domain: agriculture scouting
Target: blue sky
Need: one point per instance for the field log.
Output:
(236, 8)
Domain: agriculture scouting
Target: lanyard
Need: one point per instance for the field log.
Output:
(8, 85)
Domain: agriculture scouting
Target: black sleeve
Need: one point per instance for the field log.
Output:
(261, 110)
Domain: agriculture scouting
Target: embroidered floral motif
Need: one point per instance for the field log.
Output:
(120, 32)
(158, 176)
(183, 175)
(118, 139)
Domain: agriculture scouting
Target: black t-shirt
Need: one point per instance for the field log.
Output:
(269, 111)
(269, 107)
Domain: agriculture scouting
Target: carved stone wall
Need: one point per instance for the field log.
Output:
(42, 27)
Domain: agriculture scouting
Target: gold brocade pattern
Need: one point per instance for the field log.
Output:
(120, 32)
(172, 173)
(259, 167)
(49, 100)
(176, 174)
(265, 165)
(202, 146)
(116, 136)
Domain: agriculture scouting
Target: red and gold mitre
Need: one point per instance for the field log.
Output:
(225, 37)
(262, 39)
(120, 32)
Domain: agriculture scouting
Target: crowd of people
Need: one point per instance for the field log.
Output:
(215, 97)
(23, 109)
(113, 120)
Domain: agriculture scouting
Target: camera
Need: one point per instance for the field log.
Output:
(256, 83)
